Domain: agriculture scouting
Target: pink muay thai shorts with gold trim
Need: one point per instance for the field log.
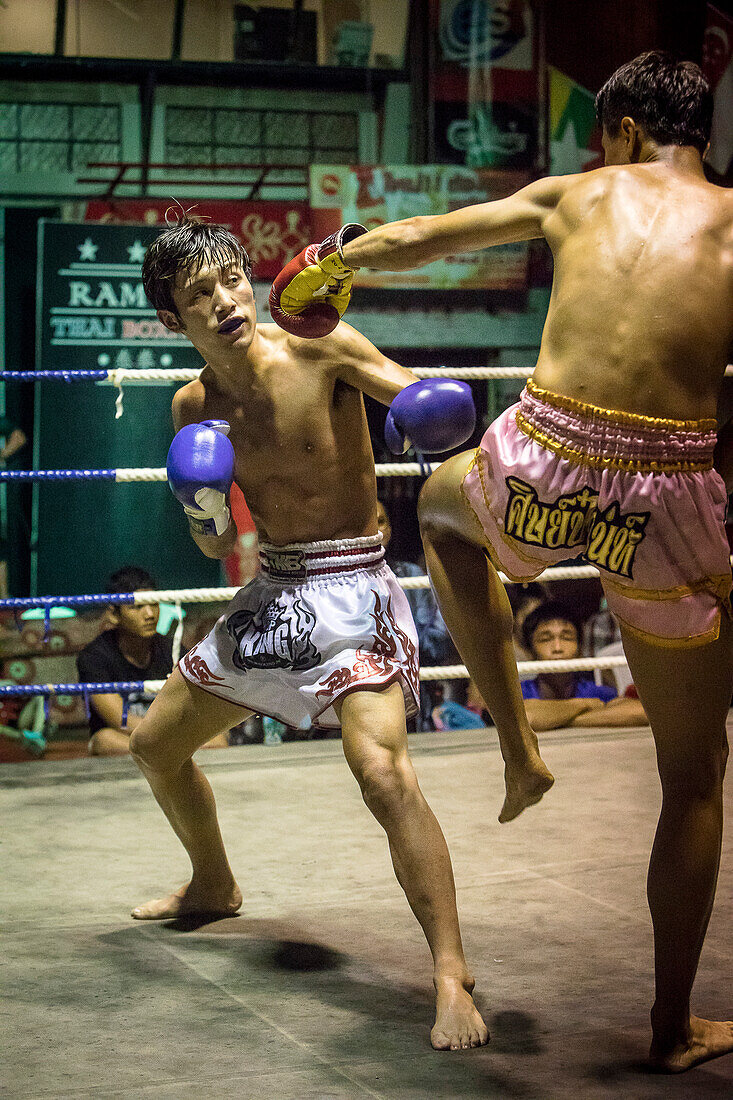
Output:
(556, 478)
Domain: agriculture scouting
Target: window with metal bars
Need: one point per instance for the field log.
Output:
(58, 137)
(221, 135)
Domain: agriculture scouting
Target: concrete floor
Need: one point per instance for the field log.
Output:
(321, 988)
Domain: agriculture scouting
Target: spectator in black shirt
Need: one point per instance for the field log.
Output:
(131, 650)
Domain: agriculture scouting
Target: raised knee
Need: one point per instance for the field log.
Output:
(433, 507)
(139, 745)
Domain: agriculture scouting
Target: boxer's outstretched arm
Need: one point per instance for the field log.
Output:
(399, 246)
(358, 363)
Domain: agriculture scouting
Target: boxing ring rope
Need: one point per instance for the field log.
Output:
(119, 377)
(159, 473)
(179, 596)
(167, 375)
(210, 595)
(527, 669)
(224, 595)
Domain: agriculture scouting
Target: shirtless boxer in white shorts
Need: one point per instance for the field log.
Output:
(324, 634)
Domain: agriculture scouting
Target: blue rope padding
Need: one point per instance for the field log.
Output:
(120, 687)
(57, 475)
(56, 375)
(24, 603)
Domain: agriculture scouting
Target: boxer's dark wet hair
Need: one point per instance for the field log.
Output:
(670, 99)
(547, 612)
(188, 244)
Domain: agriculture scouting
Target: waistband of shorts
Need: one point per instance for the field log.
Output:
(301, 560)
(591, 436)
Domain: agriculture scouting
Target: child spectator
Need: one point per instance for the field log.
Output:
(128, 649)
(552, 632)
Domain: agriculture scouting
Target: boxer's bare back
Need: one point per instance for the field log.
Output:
(641, 315)
(641, 312)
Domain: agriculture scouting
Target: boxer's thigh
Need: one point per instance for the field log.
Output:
(686, 693)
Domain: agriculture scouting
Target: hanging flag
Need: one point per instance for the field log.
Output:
(717, 64)
(575, 141)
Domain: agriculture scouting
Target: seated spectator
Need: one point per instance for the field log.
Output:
(24, 725)
(552, 632)
(436, 645)
(524, 598)
(129, 648)
(466, 711)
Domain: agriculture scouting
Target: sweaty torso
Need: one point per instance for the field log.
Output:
(641, 312)
(304, 459)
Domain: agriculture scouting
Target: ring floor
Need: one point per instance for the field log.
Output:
(321, 987)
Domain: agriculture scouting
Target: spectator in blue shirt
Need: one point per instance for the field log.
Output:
(552, 632)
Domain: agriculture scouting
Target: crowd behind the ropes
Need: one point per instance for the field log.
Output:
(134, 642)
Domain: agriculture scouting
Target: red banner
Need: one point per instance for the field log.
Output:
(272, 232)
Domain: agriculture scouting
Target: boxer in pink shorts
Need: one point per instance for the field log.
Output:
(555, 478)
(640, 320)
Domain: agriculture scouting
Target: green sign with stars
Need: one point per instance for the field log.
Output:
(92, 314)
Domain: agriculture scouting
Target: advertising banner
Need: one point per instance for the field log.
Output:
(271, 232)
(92, 308)
(484, 82)
(374, 196)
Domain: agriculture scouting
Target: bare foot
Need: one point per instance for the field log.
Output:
(708, 1039)
(524, 787)
(458, 1024)
(191, 899)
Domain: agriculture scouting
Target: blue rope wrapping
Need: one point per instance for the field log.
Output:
(424, 464)
(125, 707)
(55, 375)
(57, 475)
(25, 603)
(104, 688)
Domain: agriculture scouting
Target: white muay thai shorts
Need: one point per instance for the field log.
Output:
(321, 620)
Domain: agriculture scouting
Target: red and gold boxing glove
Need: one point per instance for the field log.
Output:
(311, 293)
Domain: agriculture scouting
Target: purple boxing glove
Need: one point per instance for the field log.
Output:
(200, 473)
(433, 415)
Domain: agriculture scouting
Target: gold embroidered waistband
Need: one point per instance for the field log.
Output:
(612, 462)
(616, 416)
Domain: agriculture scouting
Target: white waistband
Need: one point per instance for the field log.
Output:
(299, 560)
